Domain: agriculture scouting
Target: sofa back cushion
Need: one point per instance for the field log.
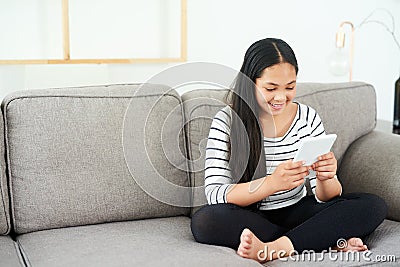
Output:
(74, 160)
(4, 202)
(347, 109)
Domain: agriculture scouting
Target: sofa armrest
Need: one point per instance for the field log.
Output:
(372, 164)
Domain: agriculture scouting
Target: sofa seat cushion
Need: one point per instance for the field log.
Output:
(169, 242)
(151, 242)
(9, 252)
(385, 239)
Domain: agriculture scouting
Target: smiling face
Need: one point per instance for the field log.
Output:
(275, 89)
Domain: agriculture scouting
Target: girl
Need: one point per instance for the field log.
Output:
(258, 203)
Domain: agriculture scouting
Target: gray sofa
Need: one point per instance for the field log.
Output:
(110, 175)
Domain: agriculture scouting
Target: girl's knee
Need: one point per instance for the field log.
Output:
(378, 204)
(374, 203)
(199, 220)
(197, 224)
(206, 220)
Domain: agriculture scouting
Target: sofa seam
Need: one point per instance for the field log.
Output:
(94, 87)
(8, 223)
(190, 163)
(343, 87)
(5, 213)
(8, 170)
(312, 93)
(91, 86)
(7, 102)
(339, 89)
(5, 210)
(186, 147)
(21, 254)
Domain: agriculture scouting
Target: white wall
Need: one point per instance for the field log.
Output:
(221, 30)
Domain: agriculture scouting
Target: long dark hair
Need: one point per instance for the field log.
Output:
(247, 158)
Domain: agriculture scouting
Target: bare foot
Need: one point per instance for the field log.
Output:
(353, 244)
(251, 247)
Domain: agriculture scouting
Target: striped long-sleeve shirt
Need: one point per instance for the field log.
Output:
(218, 178)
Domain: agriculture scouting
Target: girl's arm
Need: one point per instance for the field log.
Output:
(286, 176)
(328, 189)
(245, 194)
(327, 186)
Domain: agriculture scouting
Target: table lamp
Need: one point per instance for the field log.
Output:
(341, 63)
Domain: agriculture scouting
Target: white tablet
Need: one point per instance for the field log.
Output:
(313, 147)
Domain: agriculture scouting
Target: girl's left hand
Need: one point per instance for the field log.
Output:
(325, 167)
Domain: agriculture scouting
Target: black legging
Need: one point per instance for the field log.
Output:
(308, 224)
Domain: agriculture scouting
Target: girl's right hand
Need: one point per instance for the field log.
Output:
(288, 175)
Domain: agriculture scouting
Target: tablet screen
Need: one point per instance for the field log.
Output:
(313, 147)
